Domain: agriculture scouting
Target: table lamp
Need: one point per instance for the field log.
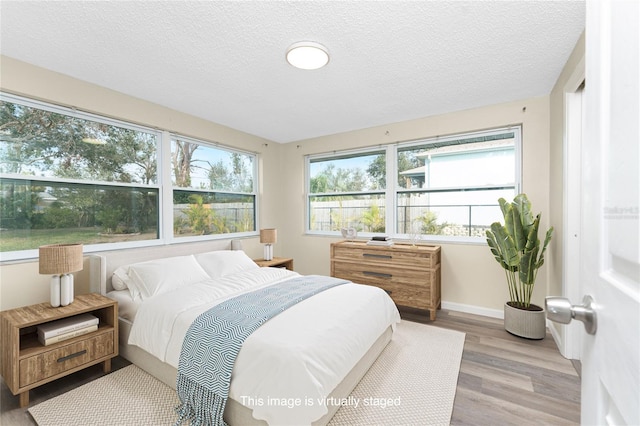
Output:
(268, 237)
(60, 260)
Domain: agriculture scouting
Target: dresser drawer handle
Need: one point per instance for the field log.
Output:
(378, 256)
(377, 274)
(68, 357)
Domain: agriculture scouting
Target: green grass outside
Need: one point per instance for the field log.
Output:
(26, 239)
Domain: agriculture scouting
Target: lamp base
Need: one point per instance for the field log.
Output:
(54, 289)
(268, 252)
(66, 289)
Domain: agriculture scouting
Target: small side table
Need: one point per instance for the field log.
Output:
(26, 363)
(276, 262)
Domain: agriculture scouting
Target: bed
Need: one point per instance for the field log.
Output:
(295, 369)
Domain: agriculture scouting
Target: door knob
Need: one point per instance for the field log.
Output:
(560, 309)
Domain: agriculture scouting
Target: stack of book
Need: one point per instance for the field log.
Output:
(380, 241)
(66, 328)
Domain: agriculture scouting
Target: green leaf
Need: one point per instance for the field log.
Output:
(528, 266)
(495, 250)
(517, 232)
(529, 260)
(504, 245)
(547, 239)
(532, 236)
(508, 219)
(524, 209)
(504, 206)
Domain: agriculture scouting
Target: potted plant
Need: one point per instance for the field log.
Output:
(516, 247)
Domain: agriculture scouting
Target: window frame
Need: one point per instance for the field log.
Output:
(338, 155)
(163, 184)
(393, 189)
(169, 188)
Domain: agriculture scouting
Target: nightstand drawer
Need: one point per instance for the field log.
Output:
(56, 361)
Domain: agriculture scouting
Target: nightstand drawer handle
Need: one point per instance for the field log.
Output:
(378, 256)
(68, 357)
(377, 274)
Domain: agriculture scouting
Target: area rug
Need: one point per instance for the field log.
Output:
(413, 382)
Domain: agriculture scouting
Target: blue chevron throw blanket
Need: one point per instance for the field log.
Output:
(214, 339)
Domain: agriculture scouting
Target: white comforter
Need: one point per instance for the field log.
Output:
(287, 367)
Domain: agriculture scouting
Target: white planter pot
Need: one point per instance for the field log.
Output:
(530, 324)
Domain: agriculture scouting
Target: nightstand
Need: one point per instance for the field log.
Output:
(276, 262)
(25, 363)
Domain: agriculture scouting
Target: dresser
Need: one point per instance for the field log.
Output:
(409, 274)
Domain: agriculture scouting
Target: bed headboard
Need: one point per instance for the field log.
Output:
(103, 264)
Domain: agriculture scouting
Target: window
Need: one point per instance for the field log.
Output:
(213, 189)
(347, 190)
(446, 187)
(451, 186)
(68, 176)
(72, 177)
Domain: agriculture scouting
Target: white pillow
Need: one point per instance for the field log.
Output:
(161, 275)
(119, 279)
(224, 262)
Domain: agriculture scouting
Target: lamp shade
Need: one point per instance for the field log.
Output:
(60, 258)
(268, 236)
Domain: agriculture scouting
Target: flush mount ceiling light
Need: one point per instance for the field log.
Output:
(307, 55)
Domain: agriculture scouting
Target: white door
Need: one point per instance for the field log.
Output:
(610, 243)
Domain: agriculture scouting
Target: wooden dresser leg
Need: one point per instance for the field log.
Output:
(106, 366)
(24, 399)
(432, 314)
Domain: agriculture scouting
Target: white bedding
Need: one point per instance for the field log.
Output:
(127, 307)
(286, 368)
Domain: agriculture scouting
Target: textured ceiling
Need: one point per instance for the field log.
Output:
(225, 61)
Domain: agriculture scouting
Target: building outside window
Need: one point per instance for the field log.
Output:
(454, 188)
(441, 188)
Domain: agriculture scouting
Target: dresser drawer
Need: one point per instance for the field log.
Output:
(59, 360)
(412, 296)
(420, 258)
(405, 289)
(372, 273)
(404, 294)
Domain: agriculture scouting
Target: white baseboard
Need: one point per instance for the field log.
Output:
(471, 309)
(556, 338)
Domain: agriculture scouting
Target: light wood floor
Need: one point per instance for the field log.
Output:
(508, 380)
(504, 380)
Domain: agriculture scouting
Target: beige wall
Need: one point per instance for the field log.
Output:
(573, 68)
(470, 277)
(20, 283)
